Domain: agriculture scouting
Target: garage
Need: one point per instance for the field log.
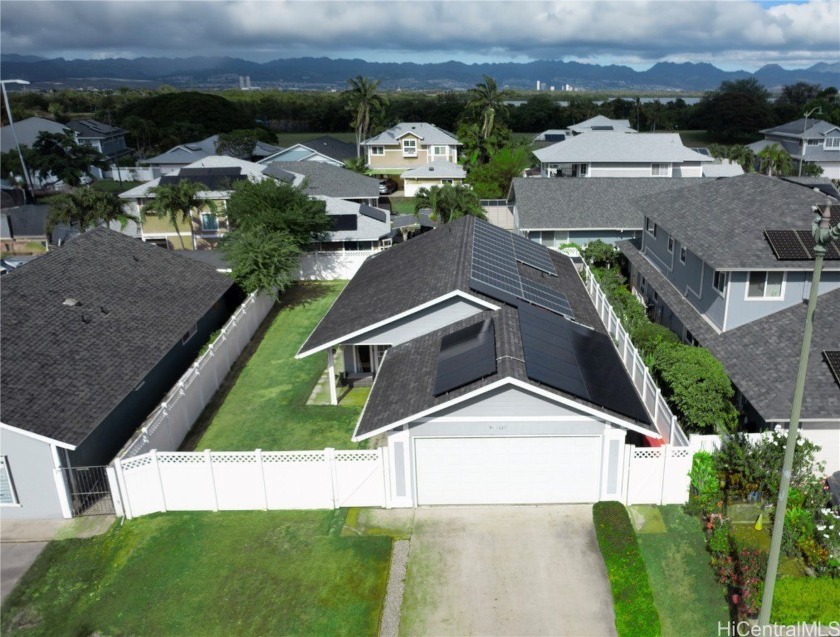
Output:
(507, 470)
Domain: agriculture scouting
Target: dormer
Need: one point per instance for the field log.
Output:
(832, 139)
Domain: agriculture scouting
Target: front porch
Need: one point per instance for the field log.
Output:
(349, 375)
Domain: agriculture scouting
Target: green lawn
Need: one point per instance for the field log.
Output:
(402, 205)
(689, 599)
(233, 573)
(266, 408)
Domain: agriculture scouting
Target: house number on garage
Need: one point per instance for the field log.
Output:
(498, 427)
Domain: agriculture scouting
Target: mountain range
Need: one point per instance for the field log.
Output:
(320, 73)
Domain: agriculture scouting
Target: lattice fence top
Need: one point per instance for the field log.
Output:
(136, 463)
(357, 456)
(680, 452)
(284, 457)
(223, 457)
(647, 453)
(184, 457)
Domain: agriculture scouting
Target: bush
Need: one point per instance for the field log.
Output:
(635, 611)
(602, 255)
(647, 337)
(805, 599)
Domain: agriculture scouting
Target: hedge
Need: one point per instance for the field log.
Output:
(806, 599)
(635, 611)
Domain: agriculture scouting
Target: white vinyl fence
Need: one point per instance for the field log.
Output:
(331, 266)
(251, 480)
(657, 475)
(168, 425)
(664, 420)
(132, 173)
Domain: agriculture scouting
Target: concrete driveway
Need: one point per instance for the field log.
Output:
(530, 570)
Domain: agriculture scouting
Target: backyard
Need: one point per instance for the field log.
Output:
(233, 573)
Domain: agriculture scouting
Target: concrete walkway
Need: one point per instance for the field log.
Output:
(21, 542)
(530, 570)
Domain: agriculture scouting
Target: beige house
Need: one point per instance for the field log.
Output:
(436, 173)
(409, 145)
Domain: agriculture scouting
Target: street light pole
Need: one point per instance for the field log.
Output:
(823, 234)
(27, 180)
(804, 139)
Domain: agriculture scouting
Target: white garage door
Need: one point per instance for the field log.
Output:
(529, 470)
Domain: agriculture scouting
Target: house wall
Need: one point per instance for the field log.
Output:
(831, 170)
(687, 169)
(393, 157)
(623, 169)
(31, 467)
(413, 185)
(101, 446)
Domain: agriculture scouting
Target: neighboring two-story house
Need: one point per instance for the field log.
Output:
(410, 145)
(807, 140)
(621, 154)
(716, 264)
(108, 140)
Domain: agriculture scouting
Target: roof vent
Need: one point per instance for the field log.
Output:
(431, 169)
(86, 318)
(136, 258)
(71, 302)
(105, 310)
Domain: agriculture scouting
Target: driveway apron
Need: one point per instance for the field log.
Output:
(529, 570)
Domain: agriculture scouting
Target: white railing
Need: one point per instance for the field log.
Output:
(251, 480)
(663, 418)
(168, 425)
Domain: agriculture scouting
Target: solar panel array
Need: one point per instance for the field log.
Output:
(466, 356)
(376, 214)
(495, 273)
(832, 358)
(217, 178)
(344, 222)
(578, 361)
(797, 245)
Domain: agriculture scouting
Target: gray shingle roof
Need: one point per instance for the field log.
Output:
(27, 131)
(328, 180)
(332, 147)
(564, 204)
(616, 147)
(429, 134)
(723, 221)
(27, 221)
(796, 128)
(66, 368)
(95, 130)
(436, 170)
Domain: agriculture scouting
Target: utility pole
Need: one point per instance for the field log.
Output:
(26, 179)
(823, 235)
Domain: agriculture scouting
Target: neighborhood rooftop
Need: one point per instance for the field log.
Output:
(428, 133)
(619, 147)
(83, 325)
(328, 180)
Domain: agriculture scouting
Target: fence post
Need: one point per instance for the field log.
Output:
(386, 477)
(114, 486)
(329, 458)
(258, 454)
(212, 477)
(164, 410)
(156, 465)
(124, 488)
(211, 352)
(666, 449)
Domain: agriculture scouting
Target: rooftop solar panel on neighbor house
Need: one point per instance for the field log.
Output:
(533, 254)
(832, 359)
(466, 356)
(213, 178)
(576, 360)
(344, 222)
(373, 213)
(797, 245)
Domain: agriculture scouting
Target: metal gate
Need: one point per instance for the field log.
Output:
(89, 491)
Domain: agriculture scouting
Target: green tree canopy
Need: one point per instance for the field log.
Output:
(448, 203)
(86, 208)
(365, 104)
(492, 180)
(476, 149)
(240, 143)
(176, 203)
(736, 111)
(269, 206)
(775, 160)
(261, 262)
(487, 101)
(60, 156)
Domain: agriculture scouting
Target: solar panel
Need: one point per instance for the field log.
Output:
(466, 356)
(374, 213)
(533, 254)
(832, 359)
(797, 245)
(602, 128)
(547, 298)
(344, 222)
(578, 361)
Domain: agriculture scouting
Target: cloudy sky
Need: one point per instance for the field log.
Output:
(732, 34)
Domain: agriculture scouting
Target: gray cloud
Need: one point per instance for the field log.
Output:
(728, 33)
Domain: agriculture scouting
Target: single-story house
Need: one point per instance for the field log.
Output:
(94, 334)
(437, 173)
(494, 380)
(324, 149)
(328, 180)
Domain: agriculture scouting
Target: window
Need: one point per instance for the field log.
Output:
(190, 334)
(814, 142)
(377, 150)
(765, 285)
(650, 226)
(832, 143)
(719, 282)
(209, 221)
(584, 170)
(671, 245)
(440, 150)
(683, 253)
(409, 147)
(7, 487)
(643, 286)
(446, 181)
(659, 170)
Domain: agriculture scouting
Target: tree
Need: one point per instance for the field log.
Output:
(791, 104)
(448, 203)
(775, 160)
(487, 100)
(59, 157)
(86, 208)
(176, 202)
(240, 143)
(269, 206)
(492, 180)
(264, 262)
(477, 150)
(736, 111)
(364, 102)
(601, 255)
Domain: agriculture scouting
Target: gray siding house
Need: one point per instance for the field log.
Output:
(807, 140)
(93, 335)
(706, 269)
(478, 389)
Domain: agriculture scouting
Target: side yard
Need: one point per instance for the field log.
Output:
(237, 573)
(266, 407)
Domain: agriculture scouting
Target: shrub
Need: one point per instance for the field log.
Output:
(635, 612)
(805, 599)
(647, 337)
(601, 255)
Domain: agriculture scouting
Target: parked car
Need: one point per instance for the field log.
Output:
(387, 186)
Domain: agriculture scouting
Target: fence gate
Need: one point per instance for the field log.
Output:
(89, 491)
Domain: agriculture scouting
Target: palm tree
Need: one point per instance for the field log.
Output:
(87, 207)
(743, 156)
(487, 100)
(176, 201)
(448, 203)
(775, 160)
(364, 102)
